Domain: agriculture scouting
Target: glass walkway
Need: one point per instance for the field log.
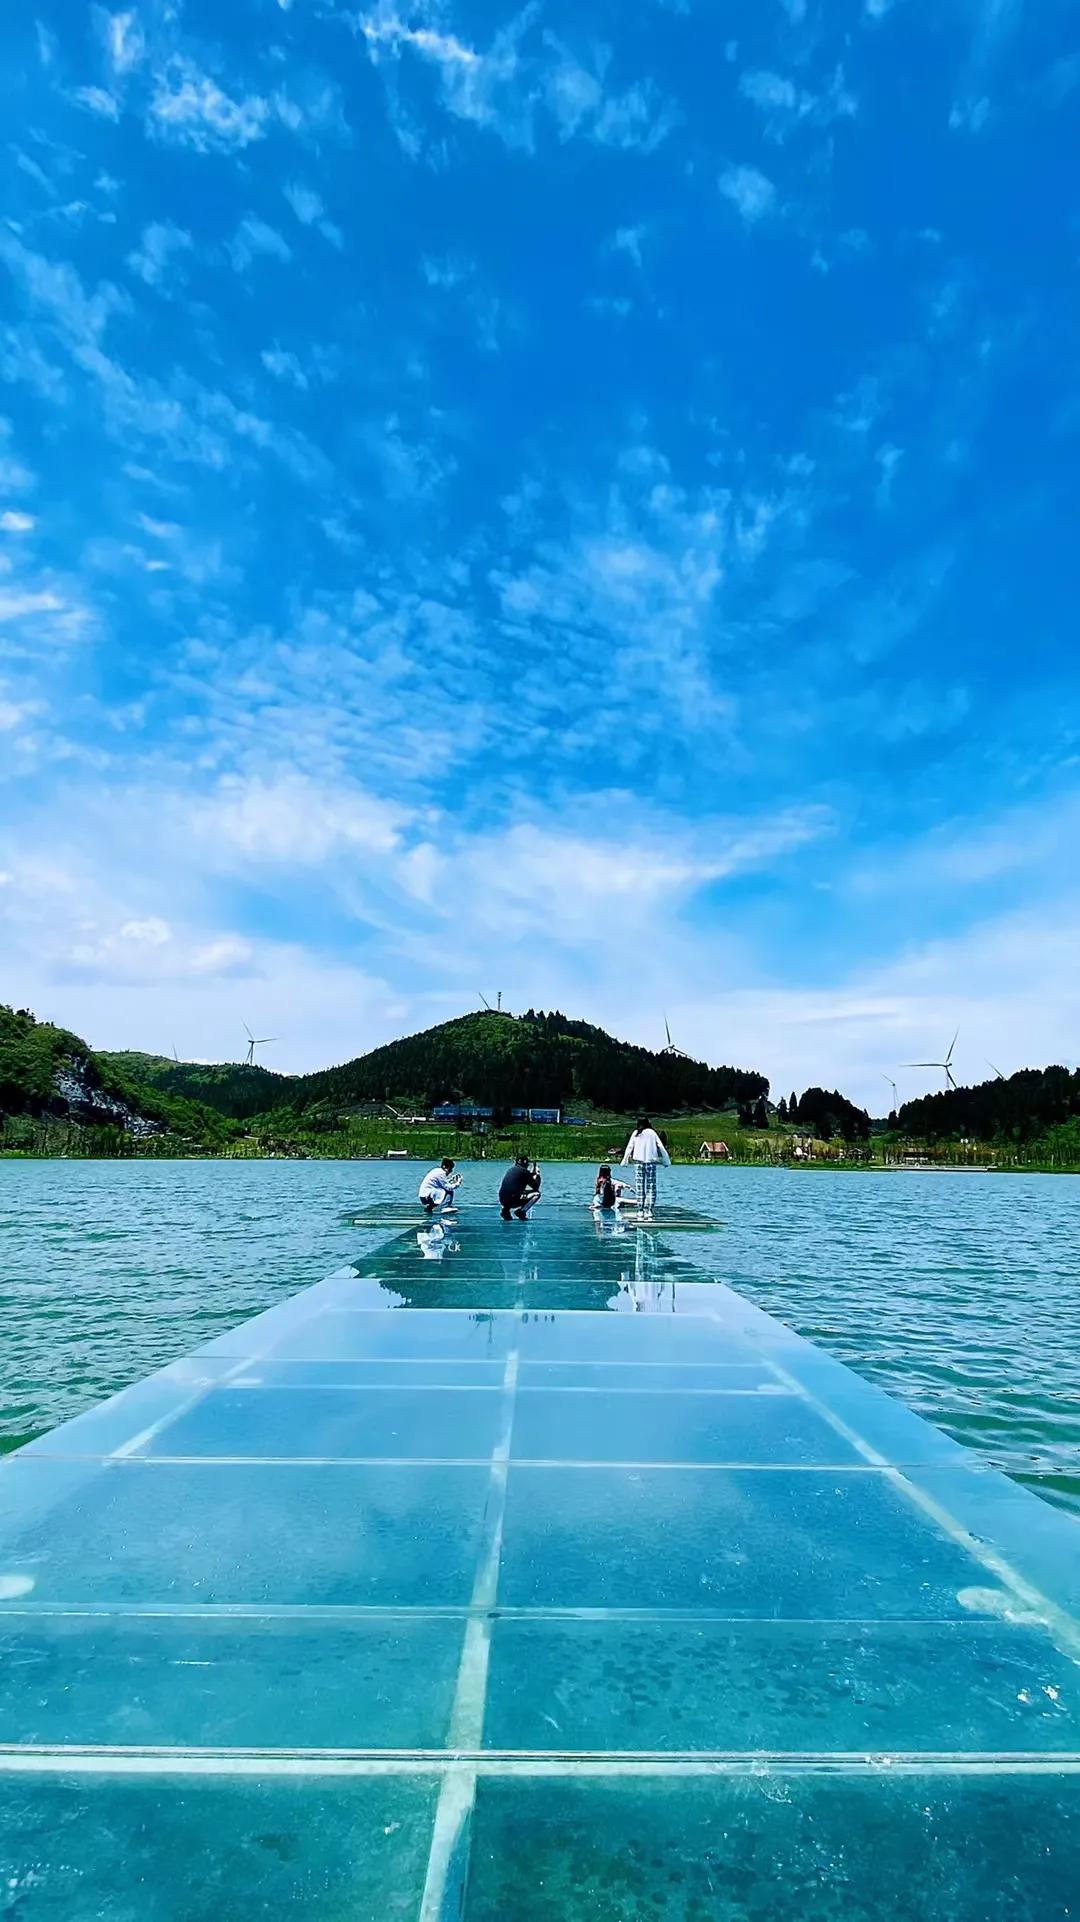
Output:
(521, 1573)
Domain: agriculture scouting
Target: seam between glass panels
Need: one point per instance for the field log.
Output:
(448, 1857)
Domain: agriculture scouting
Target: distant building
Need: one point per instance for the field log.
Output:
(714, 1151)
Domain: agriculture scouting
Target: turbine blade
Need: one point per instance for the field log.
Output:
(952, 1045)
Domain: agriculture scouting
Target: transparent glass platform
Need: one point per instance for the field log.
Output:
(538, 1578)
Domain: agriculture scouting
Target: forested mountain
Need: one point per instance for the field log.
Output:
(1017, 1108)
(233, 1088)
(48, 1074)
(530, 1060)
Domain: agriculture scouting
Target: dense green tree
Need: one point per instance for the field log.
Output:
(829, 1113)
(1017, 1109)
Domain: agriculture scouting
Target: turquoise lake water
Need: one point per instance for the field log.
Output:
(958, 1293)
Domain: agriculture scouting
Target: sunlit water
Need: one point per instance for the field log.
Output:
(958, 1293)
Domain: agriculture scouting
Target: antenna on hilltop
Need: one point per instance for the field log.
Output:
(680, 1053)
(257, 1041)
(946, 1064)
(498, 1008)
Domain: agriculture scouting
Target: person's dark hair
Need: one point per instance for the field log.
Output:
(605, 1170)
(447, 1162)
(643, 1122)
(523, 1161)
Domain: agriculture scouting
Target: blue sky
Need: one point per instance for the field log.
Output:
(578, 500)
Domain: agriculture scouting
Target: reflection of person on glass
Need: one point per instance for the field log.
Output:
(438, 1187)
(645, 1149)
(519, 1189)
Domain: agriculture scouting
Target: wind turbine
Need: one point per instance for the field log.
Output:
(895, 1096)
(997, 1071)
(257, 1041)
(671, 1048)
(946, 1064)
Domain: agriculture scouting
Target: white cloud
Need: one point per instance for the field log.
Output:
(292, 821)
(157, 255)
(255, 239)
(284, 366)
(767, 89)
(784, 105)
(308, 207)
(627, 240)
(501, 87)
(305, 202)
(19, 604)
(98, 101)
(14, 522)
(969, 115)
(153, 931)
(751, 192)
(388, 30)
(125, 42)
(188, 106)
(579, 103)
(14, 713)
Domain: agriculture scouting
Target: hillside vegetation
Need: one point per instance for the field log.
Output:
(232, 1088)
(532, 1060)
(58, 1095)
(1017, 1108)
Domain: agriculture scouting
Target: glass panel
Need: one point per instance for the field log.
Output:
(673, 1427)
(755, 1542)
(191, 1848)
(313, 1422)
(422, 1371)
(784, 1686)
(343, 1337)
(749, 1377)
(779, 1848)
(116, 1422)
(629, 1337)
(155, 1532)
(225, 1681)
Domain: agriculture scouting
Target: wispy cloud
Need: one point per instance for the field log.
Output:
(750, 192)
(125, 42)
(255, 239)
(188, 106)
(158, 256)
(284, 366)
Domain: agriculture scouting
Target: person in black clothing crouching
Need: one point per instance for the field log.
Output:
(519, 1189)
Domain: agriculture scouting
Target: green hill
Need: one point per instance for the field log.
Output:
(531, 1060)
(55, 1092)
(1016, 1108)
(232, 1088)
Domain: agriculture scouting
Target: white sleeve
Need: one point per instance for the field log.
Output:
(628, 1156)
(663, 1152)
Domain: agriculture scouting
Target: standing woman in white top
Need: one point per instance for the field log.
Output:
(645, 1149)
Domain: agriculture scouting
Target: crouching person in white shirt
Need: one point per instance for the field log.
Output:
(438, 1187)
(645, 1149)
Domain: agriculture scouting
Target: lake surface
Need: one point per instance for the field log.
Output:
(958, 1293)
